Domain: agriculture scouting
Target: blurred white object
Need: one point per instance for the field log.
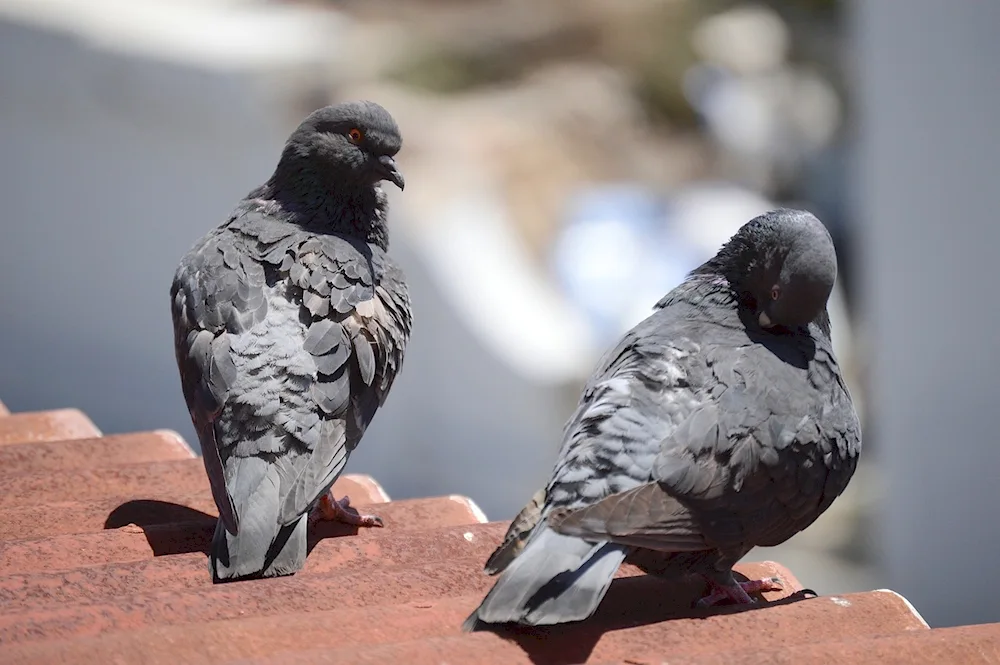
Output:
(748, 39)
(232, 34)
(479, 263)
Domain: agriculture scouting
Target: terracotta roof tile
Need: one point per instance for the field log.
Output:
(76, 454)
(102, 559)
(609, 634)
(340, 635)
(968, 645)
(170, 480)
(45, 520)
(150, 545)
(46, 426)
(59, 518)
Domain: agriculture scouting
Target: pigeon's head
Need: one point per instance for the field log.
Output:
(352, 143)
(785, 265)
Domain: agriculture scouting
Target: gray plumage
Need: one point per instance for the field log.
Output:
(718, 424)
(290, 323)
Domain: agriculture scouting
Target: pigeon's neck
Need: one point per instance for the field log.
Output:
(822, 322)
(705, 297)
(734, 262)
(355, 211)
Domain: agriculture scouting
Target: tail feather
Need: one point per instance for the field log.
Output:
(556, 579)
(521, 528)
(263, 546)
(253, 554)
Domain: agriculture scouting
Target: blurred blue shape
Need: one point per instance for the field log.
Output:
(617, 254)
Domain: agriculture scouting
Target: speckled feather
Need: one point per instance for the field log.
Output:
(697, 438)
(290, 327)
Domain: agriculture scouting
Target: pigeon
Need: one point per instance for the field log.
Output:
(718, 424)
(290, 324)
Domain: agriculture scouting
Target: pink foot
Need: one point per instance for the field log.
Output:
(341, 511)
(738, 593)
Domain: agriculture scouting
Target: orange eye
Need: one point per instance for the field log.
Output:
(355, 135)
(775, 292)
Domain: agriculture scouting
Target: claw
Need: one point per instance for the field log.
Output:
(738, 593)
(339, 510)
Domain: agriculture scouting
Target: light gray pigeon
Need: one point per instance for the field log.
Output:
(290, 322)
(718, 424)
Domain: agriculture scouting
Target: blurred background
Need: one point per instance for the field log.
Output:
(567, 162)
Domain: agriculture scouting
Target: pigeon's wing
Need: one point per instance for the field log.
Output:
(643, 517)
(517, 534)
(644, 389)
(605, 392)
(752, 466)
(356, 310)
(688, 479)
(216, 293)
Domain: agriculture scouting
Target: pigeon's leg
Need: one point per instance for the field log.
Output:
(737, 592)
(338, 510)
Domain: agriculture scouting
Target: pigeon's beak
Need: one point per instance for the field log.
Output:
(764, 320)
(387, 170)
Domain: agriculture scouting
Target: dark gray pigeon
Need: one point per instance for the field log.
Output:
(290, 322)
(718, 424)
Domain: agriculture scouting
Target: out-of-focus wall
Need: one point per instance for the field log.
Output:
(111, 167)
(119, 150)
(928, 173)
